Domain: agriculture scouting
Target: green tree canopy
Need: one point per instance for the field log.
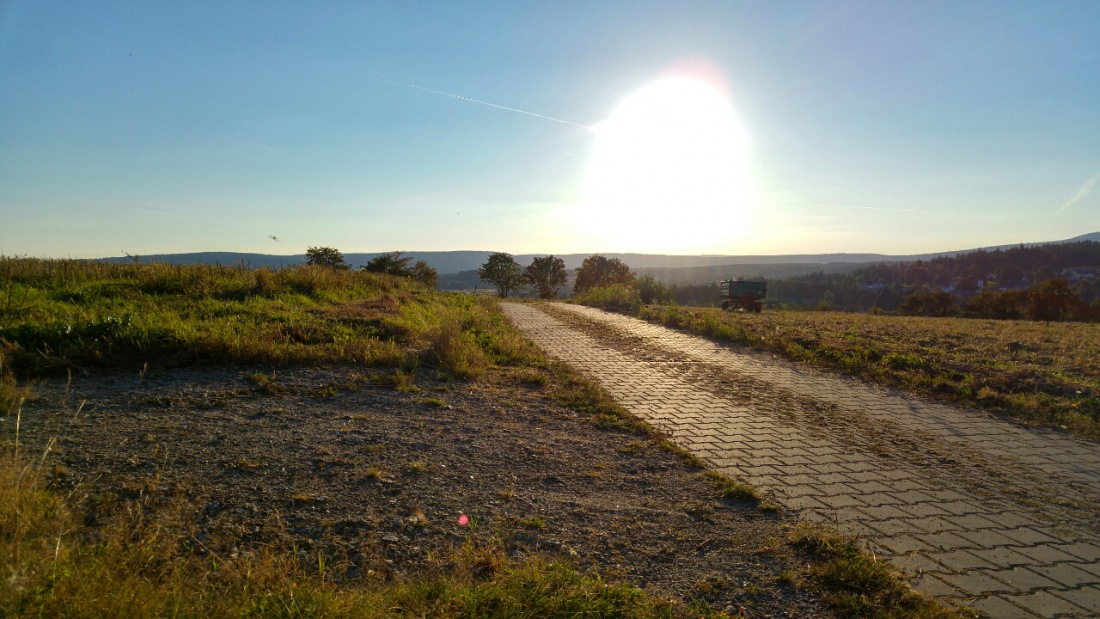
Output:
(326, 257)
(547, 275)
(502, 271)
(394, 263)
(601, 271)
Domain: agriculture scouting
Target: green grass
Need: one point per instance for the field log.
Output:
(1041, 373)
(733, 490)
(856, 584)
(73, 314)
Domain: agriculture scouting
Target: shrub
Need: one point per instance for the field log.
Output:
(455, 351)
(326, 257)
(652, 291)
(616, 297)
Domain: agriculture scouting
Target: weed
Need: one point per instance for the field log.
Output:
(403, 382)
(632, 448)
(730, 489)
(455, 351)
(700, 511)
(858, 585)
(535, 522)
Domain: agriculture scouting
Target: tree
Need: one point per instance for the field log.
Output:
(326, 257)
(392, 263)
(395, 264)
(1051, 300)
(601, 271)
(502, 271)
(547, 275)
(652, 291)
(425, 274)
(936, 303)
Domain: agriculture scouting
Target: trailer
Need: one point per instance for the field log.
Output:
(742, 295)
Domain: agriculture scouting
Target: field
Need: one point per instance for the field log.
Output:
(1046, 374)
(200, 441)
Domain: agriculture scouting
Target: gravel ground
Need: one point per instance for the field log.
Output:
(333, 460)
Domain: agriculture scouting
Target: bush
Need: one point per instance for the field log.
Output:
(455, 351)
(617, 297)
(937, 303)
(653, 291)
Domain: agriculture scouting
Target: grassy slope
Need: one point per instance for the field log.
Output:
(64, 315)
(1042, 373)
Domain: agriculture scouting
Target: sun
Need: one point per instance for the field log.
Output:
(669, 172)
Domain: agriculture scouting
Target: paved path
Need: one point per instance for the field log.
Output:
(978, 511)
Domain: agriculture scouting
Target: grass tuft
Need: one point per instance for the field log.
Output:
(856, 584)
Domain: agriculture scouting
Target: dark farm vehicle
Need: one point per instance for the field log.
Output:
(743, 295)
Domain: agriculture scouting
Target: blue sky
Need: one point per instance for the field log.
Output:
(894, 127)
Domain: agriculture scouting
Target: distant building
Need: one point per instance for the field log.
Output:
(1078, 273)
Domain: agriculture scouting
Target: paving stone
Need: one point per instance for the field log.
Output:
(884, 512)
(945, 541)
(1028, 536)
(959, 560)
(1046, 553)
(1068, 575)
(903, 544)
(894, 527)
(917, 563)
(1085, 597)
(1082, 550)
(1003, 556)
(842, 500)
(976, 583)
(972, 522)
(998, 607)
(1023, 579)
(925, 510)
(933, 586)
(935, 524)
(1046, 604)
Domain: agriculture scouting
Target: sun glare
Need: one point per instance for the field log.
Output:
(669, 172)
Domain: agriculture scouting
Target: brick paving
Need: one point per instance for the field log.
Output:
(976, 510)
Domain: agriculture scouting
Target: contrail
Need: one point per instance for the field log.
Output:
(1081, 193)
(478, 101)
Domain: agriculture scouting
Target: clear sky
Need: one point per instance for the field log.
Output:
(689, 127)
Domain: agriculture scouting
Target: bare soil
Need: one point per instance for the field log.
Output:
(333, 462)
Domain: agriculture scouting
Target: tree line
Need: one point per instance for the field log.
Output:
(547, 275)
(392, 263)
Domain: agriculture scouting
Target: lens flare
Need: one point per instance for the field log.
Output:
(669, 171)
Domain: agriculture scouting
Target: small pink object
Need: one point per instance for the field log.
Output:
(463, 520)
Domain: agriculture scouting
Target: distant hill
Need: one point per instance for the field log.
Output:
(458, 268)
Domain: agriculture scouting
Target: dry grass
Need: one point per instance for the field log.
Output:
(146, 564)
(1041, 373)
(857, 584)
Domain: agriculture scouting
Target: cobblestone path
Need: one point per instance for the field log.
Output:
(978, 511)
